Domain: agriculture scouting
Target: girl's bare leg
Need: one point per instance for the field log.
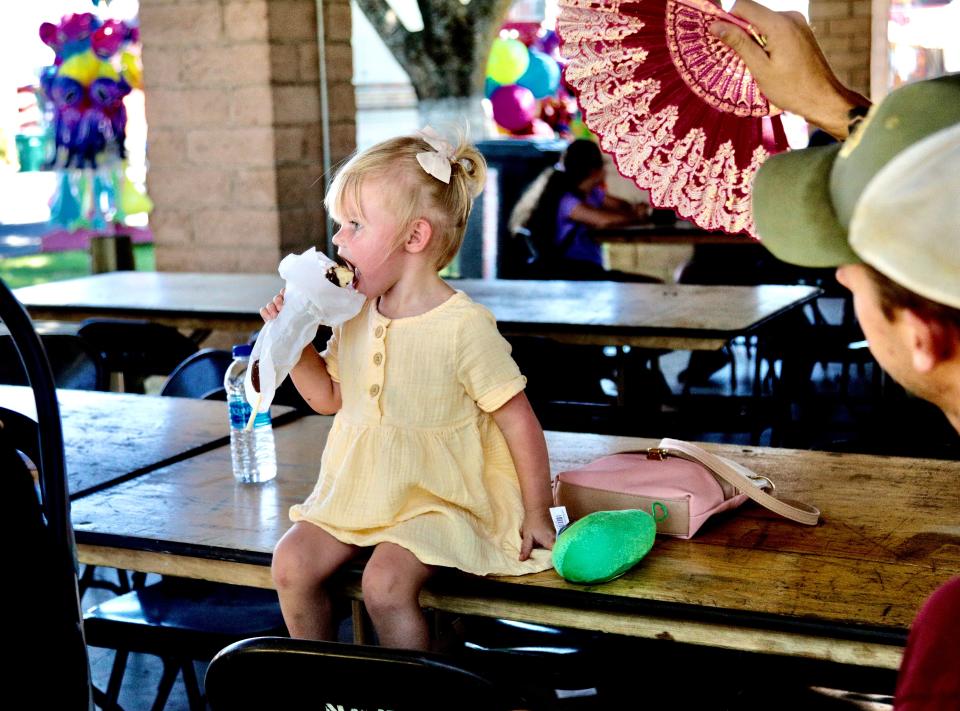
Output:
(391, 590)
(303, 560)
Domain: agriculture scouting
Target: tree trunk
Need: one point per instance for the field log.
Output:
(456, 115)
(448, 57)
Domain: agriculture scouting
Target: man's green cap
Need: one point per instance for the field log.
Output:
(803, 201)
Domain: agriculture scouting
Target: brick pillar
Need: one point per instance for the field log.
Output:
(235, 139)
(843, 28)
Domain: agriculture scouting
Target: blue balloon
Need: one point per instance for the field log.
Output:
(66, 209)
(542, 76)
(72, 47)
(65, 91)
(104, 200)
(489, 86)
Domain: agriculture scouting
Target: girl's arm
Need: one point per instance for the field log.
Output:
(309, 375)
(528, 448)
(635, 211)
(314, 383)
(601, 217)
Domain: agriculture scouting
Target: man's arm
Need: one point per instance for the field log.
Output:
(792, 72)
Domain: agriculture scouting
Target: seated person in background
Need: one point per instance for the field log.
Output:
(572, 201)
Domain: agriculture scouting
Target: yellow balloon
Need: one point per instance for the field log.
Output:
(106, 70)
(83, 67)
(508, 60)
(131, 69)
(131, 201)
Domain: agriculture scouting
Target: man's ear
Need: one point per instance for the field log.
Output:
(931, 341)
(419, 236)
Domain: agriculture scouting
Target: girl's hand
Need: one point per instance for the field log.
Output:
(536, 531)
(272, 310)
(641, 210)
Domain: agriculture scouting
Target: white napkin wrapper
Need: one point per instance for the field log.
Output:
(310, 299)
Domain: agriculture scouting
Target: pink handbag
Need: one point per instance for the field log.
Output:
(678, 483)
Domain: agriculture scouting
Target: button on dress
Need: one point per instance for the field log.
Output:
(413, 456)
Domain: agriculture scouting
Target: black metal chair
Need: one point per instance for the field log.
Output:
(48, 662)
(73, 363)
(200, 375)
(552, 668)
(564, 382)
(277, 673)
(136, 349)
(179, 620)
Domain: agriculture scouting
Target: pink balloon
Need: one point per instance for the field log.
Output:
(526, 31)
(107, 39)
(76, 26)
(538, 128)
(50, 36)
(542, 129)
(514, 107)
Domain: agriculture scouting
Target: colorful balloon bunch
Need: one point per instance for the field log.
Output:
(86, 86)
(524, 84)
(94, 69)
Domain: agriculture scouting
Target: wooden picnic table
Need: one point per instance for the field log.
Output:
(113, 437)
(679, 316)
(676, 233)
(844, 591)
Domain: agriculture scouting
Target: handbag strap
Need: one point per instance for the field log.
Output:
(742, 478)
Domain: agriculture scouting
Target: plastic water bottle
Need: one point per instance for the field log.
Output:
(252, 450)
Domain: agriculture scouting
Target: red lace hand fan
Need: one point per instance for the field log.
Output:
(676, 108)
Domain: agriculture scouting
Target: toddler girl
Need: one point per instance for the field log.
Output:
(435, 457)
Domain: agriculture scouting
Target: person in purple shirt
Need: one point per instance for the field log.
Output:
(574, 202)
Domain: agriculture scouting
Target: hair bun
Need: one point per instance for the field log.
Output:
(474, 167)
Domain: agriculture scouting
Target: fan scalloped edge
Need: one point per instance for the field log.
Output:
(713, 192)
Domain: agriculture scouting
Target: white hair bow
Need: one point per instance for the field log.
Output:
(438, 161)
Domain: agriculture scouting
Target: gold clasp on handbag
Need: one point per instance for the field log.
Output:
(658, 453)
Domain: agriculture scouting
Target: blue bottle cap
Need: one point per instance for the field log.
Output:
(242, 350)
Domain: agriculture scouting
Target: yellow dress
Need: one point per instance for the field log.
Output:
(414, 457)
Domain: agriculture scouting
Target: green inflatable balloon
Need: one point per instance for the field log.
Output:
(508, 61)
(603, 545)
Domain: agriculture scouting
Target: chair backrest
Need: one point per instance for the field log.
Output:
(200, 375)
(74, 364)
(272, 672)
(44, 625)
(136, 348)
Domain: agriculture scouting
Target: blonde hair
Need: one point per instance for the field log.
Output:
(415, 194)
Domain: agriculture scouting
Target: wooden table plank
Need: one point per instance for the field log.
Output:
(111, 437)
(615, 313)
(845, 590)
(628, 311)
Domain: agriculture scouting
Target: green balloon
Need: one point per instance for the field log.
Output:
(508, 61)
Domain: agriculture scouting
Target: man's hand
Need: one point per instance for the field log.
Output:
(792, 73)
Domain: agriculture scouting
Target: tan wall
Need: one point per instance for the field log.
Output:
(843, 30)
(235, 140)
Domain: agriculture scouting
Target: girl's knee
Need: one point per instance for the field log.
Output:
(300, 560)
(287, 568)
(385, 589)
